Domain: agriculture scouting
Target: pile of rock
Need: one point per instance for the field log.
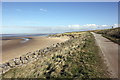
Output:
(27, 58)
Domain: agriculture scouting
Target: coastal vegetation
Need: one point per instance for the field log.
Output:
(112, 34)
(77, 58)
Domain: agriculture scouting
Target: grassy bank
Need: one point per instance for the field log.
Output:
(112, 34)
(75, 58)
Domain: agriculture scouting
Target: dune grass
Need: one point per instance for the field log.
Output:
(112, 34)
(77, 58)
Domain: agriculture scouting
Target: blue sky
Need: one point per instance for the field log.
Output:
(47, 17)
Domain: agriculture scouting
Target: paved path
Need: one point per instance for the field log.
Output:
(110, 53)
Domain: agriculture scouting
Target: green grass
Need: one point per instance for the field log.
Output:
(111, 34)
(87, 63)
(113, 39)
(77, 58)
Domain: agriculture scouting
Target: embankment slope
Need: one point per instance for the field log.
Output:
(76, 58)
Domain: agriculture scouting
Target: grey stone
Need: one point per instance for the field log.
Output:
(54, 45)
(24, 61)
(17, 61)
(23, 58)
(11, 63)
(6, 69)
(3, 65)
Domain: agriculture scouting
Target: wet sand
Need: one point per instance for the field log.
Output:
(15, 47)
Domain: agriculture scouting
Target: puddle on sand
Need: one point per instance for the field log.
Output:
(25, 40)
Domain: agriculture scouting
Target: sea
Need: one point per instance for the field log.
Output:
(25, 39)
(25, 35)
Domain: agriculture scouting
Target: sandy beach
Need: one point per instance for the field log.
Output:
(15, 47)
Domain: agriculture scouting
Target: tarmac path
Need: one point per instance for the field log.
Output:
(109, 51)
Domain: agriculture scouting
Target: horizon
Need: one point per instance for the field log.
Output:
(57, 17)
(54, 32)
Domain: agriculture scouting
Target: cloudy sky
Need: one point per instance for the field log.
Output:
(56, 17)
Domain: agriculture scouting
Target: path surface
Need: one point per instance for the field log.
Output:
(110, 52)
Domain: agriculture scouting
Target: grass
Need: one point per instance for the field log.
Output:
(111, 34)
(78, 58)
(87, 63)
(113, 39)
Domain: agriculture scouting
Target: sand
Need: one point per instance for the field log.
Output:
(13, 48)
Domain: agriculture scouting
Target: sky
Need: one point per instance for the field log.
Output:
(57, 17)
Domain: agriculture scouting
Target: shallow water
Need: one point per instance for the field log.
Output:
(23, 35)
(9, 36)
(25, 40)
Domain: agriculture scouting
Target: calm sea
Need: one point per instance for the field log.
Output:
(24, 35)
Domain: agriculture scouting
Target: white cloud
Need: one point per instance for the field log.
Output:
(104, 25)
(116, 25)
(54, 29)
(88, 27)
(92, 25)
(43, 10)
(74, 26)
(78, 27)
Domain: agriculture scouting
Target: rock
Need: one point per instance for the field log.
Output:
(36, 51)
(24, 59)
(33, 53)
(17, 61)
(45, 50)
(6, 69)
(39, 53)
(58, 43)
(32, 56)
(27, 57)
(3, 65)
(11, 63)
(54, 45)
(35, 56)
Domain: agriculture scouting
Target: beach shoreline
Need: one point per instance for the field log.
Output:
(14, 47)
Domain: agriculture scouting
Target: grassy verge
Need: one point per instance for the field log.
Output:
(87, 63)
(111, 34)
(77, 58)
(113, 39)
